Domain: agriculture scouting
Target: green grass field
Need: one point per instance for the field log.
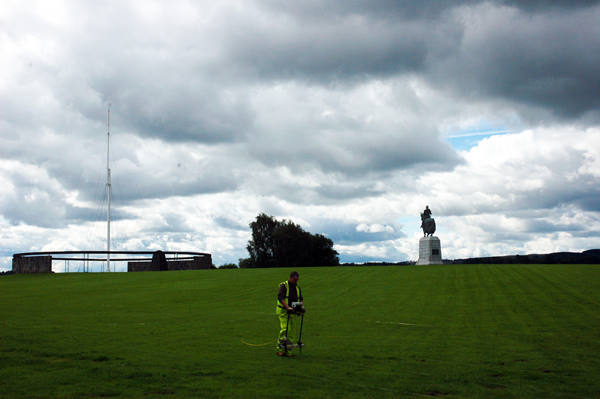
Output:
(468, 331)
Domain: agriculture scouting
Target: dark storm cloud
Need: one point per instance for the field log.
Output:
(365, 158)
(344, 48)
(520, 201)
(542, 60)
(79, 214)
(410, 9)
(150, 189)
(44, 211)
(590, 202)
(387, 9)
(545, 5)
(539, 53)
(586, 234)
(38, 200)
(341, 192)
(546, 227)
(558, 192)
(352, 50)
(183, 113)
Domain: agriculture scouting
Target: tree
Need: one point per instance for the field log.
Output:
(286, 244)
(246, 263)
(261, 246)
(323, 252)
(228, 266)
(291, 245)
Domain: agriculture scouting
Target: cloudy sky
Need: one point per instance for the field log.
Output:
(346, 117)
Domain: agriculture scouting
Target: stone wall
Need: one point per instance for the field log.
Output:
(199, 262)
(32, 264)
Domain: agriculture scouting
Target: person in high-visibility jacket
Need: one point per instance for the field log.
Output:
(289, 292)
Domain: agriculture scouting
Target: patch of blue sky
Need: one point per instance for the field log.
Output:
(411, 224)
(466, 139)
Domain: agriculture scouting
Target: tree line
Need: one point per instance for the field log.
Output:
(283, 243)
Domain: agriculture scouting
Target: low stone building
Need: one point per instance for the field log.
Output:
(160, 263)
(41, 262)
(33, 264)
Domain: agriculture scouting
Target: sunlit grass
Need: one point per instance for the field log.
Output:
(501, 331)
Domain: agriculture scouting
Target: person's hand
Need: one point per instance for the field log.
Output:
(303, 309)
(291, 310)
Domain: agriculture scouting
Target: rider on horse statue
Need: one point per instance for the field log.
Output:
(427, 222)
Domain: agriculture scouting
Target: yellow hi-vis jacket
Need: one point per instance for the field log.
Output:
(281, 310)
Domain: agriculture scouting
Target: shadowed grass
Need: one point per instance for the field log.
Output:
(501, 331)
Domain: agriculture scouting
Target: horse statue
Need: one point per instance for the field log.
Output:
(428, 225)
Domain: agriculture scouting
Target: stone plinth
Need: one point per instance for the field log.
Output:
(430, 251)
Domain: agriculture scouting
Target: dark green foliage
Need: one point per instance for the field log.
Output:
(228, 266)
(322, 251)
(261, 246)
(246, 263)
(291, 245)
(285, 244)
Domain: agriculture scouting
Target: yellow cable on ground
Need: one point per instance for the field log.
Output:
(259, 344)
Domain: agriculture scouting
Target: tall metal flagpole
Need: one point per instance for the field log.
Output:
(108, 188)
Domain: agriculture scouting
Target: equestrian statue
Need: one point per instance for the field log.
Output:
(427, 222)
